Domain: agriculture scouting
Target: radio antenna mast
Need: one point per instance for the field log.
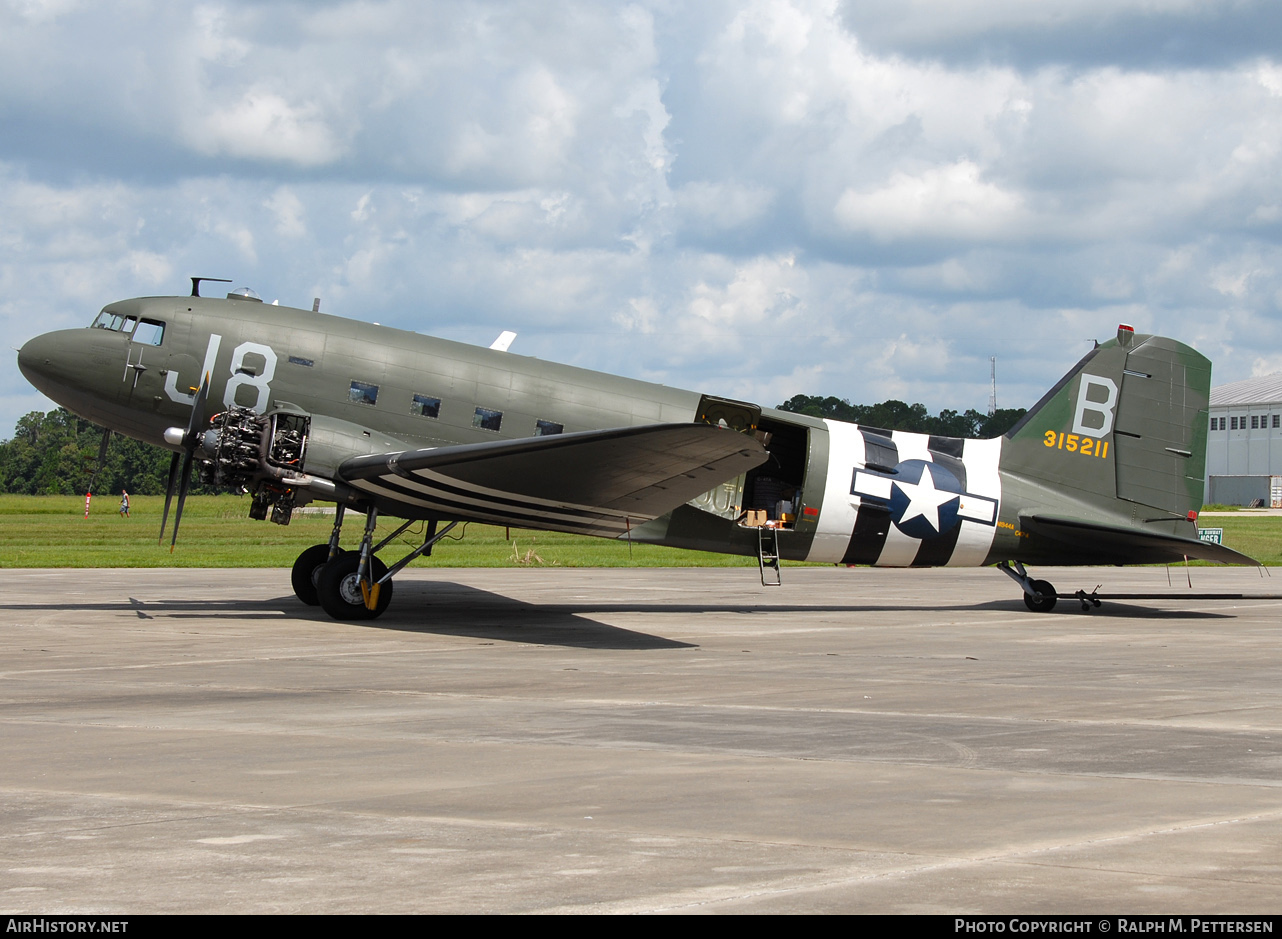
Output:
(992, 395)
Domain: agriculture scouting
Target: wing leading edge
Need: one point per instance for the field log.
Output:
(597, 482)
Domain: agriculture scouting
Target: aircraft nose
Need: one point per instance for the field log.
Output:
(39, 361)
(35, 358)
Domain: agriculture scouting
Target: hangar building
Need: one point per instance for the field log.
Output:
(1244, 442)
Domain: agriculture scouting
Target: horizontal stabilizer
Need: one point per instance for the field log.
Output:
(594, 482)
(1110, 544)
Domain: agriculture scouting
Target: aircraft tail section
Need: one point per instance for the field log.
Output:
(1123, 433)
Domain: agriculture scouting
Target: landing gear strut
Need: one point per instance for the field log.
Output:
(355, 586)
(349, 587)
(306, 573)
(1039, 595)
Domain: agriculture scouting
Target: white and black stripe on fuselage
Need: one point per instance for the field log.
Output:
(900, 499)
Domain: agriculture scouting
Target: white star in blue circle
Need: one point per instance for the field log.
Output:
(924, 499)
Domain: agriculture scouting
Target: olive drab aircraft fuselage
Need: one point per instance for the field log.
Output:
(293, 406)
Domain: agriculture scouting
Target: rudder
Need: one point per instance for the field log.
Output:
(1162, 426)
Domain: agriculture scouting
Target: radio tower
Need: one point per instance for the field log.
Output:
(992, 395)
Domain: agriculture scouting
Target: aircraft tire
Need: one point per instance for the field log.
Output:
(1047, 601)
(306, 572)
(339, 591)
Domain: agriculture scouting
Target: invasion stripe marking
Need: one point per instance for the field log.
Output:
(432, 487)
(837, 518)
(869, 535)
(429, 498)
(936, 552)
(465, 488)
(452, 508)
(975, 540)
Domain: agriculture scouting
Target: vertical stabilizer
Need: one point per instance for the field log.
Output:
(1128, 423)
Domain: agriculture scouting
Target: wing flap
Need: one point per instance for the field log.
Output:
(595, 482)
(1112, 544)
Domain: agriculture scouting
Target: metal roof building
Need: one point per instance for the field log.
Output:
(1245, 432)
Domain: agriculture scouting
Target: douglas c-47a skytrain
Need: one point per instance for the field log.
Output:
(293, 406)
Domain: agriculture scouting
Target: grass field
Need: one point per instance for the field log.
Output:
(51, 531)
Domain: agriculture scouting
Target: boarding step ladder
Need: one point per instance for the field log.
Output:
(768, 556)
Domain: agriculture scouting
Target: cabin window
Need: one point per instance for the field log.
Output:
(150, 332)
(486, 419)
(1232, 423)
(544, 428)
(299, 360)
(363, 392)
(1275, 419)
(426, 406)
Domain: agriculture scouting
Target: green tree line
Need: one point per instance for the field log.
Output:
(896, 415)
(56, 453)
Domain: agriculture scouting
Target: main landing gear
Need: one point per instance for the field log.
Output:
(1039, 595)
(354, 585)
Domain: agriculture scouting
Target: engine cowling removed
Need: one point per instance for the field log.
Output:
(260, 454)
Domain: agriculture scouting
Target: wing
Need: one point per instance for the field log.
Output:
(1107, 544)
(597, 482)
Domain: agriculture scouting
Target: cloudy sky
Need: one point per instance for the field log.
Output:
(758, 198)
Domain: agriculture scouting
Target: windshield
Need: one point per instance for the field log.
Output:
(148, 332)
(117, 322)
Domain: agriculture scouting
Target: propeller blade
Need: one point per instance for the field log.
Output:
(102, 459)
(102, 448)
(169, 495)
(194, 426)
(198, 410)
(182, 496)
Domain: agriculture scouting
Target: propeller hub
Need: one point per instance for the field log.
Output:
(174, 436)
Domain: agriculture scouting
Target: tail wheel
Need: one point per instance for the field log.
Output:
(1046, 602)
(306, 572)
(339, 589)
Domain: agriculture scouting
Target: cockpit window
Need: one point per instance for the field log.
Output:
(150, 332)
(116, 322)
(147, 332)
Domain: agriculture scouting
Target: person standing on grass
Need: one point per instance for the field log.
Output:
(124, 503)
